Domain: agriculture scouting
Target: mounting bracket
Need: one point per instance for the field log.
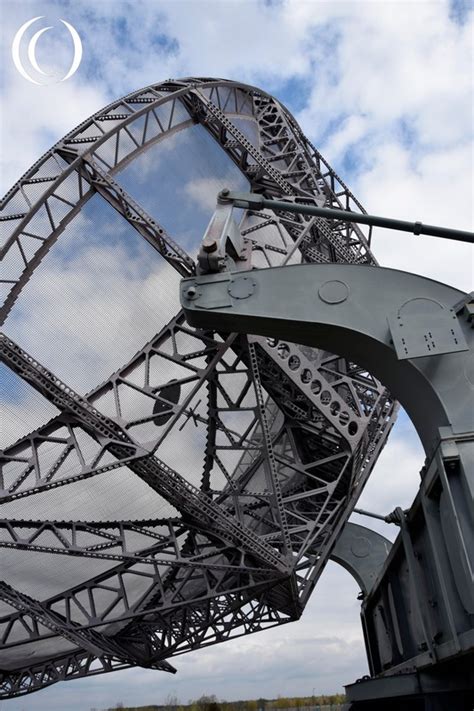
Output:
(419, 613)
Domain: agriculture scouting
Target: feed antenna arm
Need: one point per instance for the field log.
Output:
(252, 201)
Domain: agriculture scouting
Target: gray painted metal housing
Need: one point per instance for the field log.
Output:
(418, 614)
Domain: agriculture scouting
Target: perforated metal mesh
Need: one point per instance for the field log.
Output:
(163, 478)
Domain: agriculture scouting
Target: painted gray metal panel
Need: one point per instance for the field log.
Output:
(362, 552)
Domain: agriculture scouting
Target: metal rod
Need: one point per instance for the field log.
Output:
(362, 512)
(252, 201)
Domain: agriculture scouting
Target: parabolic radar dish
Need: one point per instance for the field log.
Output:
(164, 489)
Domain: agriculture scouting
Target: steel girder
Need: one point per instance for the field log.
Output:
(89, 639)
(75, 665)
(254, 535)
(168, 483)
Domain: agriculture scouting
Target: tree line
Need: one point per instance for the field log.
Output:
(211, 703)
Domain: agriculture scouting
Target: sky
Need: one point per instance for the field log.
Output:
(384, 90)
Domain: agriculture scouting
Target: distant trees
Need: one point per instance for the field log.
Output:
(171, 703)
(209, 702)
(205, 703)
(298, 702)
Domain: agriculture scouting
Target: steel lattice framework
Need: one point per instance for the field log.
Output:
(291, 433)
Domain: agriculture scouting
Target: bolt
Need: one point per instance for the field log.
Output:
(191, 292)
(210, 246)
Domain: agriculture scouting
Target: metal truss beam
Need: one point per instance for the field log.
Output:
(114, 540)
(158, 475)
(215, 620)
(166, 592)
(116, 196)
(168, 636)
(161, 603)
(92, 641)
(274, 182)
(75, 665)
(78, 457)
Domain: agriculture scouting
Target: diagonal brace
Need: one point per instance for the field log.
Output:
(161, 478)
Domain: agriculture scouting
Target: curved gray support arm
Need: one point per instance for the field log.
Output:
(362, 552)
(405, 329)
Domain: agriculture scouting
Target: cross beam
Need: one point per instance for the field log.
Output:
(160, 477)
(92, 641)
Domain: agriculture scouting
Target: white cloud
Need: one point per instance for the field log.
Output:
(394, 60)
(35, 117)
(401, 90)
(352, 130)
(85, 316)
(433, 189)
(203, 191)
(395, 479)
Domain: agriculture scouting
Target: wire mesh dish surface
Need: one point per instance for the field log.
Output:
(162, 488)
